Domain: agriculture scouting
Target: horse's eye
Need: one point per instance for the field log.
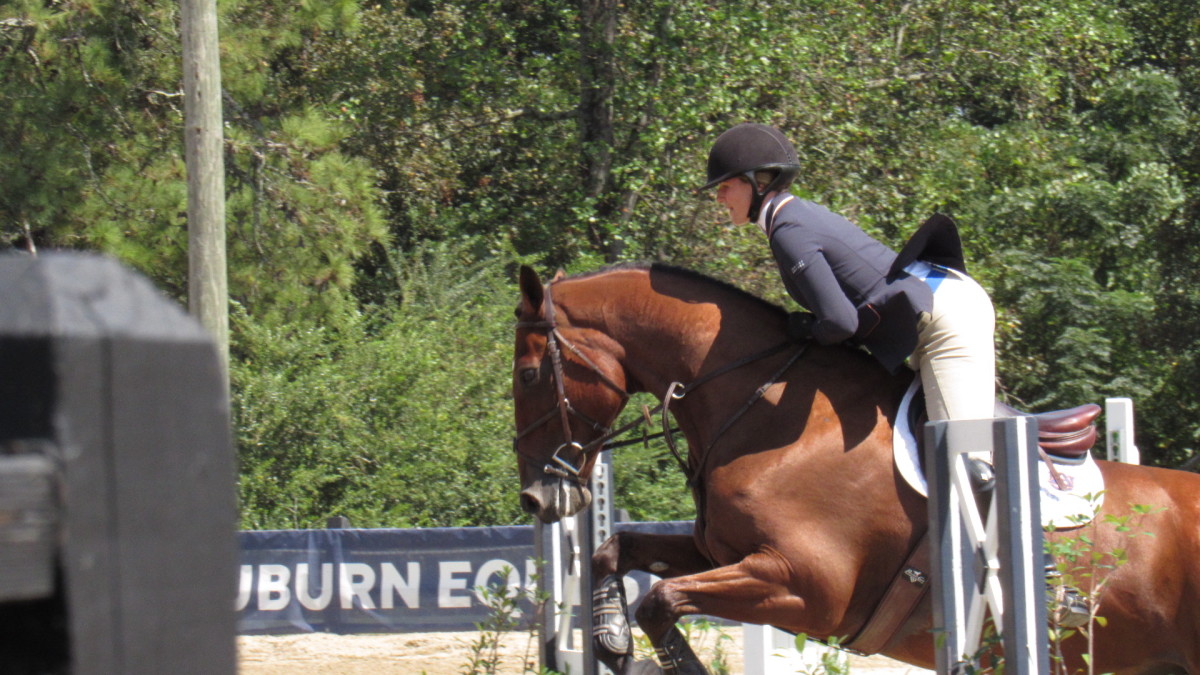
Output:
(528, 376)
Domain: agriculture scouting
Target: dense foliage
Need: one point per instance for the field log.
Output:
(390, 162)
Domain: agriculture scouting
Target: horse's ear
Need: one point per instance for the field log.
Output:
(531, 291)
(558, 275)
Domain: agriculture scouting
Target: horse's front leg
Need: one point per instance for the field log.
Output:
(756, 590)
(663, 555)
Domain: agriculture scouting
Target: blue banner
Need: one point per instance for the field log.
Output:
(390, 580)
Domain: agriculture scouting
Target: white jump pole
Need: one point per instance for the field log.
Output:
(769, 651)
(1118, 419)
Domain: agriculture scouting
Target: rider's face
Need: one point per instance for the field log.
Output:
(734, 194)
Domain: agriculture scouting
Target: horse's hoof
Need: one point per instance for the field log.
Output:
(622, 664)
(614, 643)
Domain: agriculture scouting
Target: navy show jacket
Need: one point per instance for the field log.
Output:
(846, 279)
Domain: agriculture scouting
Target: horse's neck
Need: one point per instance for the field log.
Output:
(688, 348)
(678, 350)
(850, 382)
(679, 330)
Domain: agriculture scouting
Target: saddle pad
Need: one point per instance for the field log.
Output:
(1062, 509)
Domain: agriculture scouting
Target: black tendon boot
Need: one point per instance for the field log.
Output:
(982, 476)
(1066, 605)
(676, 657)
(609, 617)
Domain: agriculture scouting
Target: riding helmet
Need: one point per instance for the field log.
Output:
(747, 148)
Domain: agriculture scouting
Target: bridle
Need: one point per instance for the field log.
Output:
(564, 410)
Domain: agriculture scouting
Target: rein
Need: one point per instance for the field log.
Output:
(564, 410)
(677, 391)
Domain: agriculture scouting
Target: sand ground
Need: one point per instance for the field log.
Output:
(451, 654)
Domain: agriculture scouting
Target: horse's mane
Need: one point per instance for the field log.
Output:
(682, 272)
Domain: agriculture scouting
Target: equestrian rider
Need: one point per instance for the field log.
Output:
(917, 308)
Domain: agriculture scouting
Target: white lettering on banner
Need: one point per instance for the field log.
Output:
(392, 584)
(273, 587)
(483, 579)
(303, 585)
(448, 583)
(531, 574)
(245, 583)
(357, 580)
(273, 593)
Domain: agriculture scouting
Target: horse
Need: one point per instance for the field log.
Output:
(802, 519)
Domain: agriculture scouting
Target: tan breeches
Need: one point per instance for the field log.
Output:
(956, 354)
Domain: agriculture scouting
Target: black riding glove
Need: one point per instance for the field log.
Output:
(800, 326)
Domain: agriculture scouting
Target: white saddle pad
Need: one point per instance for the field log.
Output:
(1062, 509)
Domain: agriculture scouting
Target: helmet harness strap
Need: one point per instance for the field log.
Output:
(758, 196)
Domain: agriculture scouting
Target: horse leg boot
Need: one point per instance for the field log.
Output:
(676, 655)
(665, 555)
(982, 477)
(613, 639)
(1067, 606)
(610, 633)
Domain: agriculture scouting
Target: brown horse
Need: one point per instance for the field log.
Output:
(802, 520)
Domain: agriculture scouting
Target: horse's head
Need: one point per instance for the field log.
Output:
(567, 389)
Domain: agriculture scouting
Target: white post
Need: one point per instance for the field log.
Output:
(570, 544)
(1118, 417)
(757, 645)
(769, 651)
(570, 652)
(986, 561)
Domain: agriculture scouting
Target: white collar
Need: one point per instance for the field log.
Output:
(767, 211)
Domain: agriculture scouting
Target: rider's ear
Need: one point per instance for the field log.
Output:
(531, 291)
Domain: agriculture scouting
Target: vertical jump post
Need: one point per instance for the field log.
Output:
(1119, 436)
(987, 561)
(565, 582)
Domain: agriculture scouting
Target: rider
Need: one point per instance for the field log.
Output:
(918, 307)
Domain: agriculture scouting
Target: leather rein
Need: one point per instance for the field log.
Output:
(562, 467)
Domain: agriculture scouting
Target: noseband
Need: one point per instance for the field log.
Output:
(561, 467)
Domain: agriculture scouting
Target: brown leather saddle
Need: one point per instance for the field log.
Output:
(1065, 435)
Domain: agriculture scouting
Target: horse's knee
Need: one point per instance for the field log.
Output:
(657, 614)
(606, 561)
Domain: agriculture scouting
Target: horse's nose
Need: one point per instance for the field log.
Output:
(530, 503)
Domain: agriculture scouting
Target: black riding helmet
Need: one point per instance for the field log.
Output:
(747, 148)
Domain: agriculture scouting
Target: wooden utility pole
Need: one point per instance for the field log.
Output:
(208, 286)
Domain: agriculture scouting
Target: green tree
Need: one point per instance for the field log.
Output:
(400, 417)
(366, 142)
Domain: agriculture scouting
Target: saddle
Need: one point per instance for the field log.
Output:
(1065, 435)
